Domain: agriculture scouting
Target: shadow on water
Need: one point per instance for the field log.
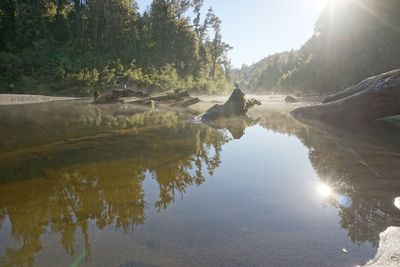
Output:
(63, 168)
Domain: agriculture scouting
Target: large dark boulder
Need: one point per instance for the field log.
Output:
(373, 98)
(236, 105)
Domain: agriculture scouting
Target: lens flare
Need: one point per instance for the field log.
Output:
(324, 190)
(344, 201)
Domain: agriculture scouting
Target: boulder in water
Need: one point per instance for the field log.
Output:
(236, 105)
(373, 98)
(290, 99)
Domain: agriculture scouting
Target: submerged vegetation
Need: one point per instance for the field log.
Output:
(69, 47)
(352, 40)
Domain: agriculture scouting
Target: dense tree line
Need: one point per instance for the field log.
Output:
(352, 40)
(53, 45)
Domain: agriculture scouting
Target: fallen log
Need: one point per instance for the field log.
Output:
(105, 99)
(186, 103)
(236, 105)
(128, 93)
(175, 96)
(361, 86)
(373, 98)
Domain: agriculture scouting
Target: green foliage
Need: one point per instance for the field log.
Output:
(166, 78)
(62, 45)
(86, 76)
(352, 40)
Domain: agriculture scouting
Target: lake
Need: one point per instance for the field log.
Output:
(115, 185)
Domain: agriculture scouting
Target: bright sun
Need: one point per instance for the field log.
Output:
(324, 190)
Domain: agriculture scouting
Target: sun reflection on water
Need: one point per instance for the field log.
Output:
(326, 191)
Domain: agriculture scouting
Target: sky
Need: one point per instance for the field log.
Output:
(258, 28)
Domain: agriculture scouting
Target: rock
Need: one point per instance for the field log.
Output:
(373, 98)
(236, 105)
(290, 99)
(388, 254)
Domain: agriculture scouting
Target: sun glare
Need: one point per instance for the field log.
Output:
(324, 190)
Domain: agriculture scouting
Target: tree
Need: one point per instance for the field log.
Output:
(106, 42)
(352, 40)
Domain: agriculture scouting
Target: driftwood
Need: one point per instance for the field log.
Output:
(236, 105)
(129, 93)
(175, 99)
(115, 96)
(175, 96)
(106, 99)
(373, 98)
(186, 103)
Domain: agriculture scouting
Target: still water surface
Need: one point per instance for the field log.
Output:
(117, 186)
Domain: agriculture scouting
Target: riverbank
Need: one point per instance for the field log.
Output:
(16, 99)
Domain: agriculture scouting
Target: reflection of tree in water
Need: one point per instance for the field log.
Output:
(67, 203)
(362, 165)
(236, 126)
(100, 181)
(64, 188)
(371, 188)
(68, 120)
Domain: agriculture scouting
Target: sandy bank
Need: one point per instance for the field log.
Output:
(14, 99)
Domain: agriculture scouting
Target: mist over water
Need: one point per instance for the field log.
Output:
(118, 186)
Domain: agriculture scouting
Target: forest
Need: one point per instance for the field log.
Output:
(68, 47)
(352, 40)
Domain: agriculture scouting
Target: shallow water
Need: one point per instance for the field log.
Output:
(117, 186)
